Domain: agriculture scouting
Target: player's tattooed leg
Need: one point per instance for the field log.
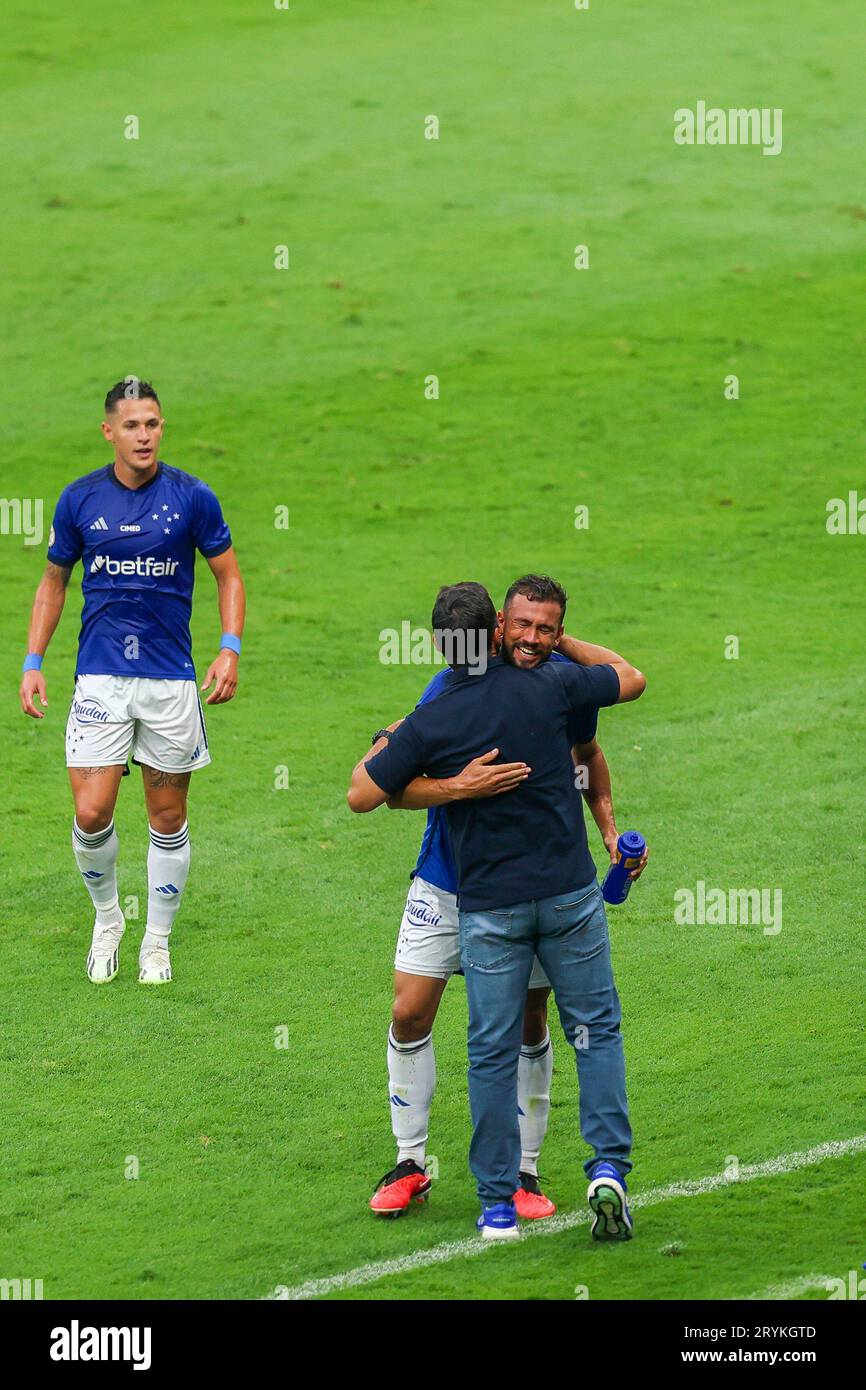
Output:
(94, 791)
(165, 794)
(156, 778)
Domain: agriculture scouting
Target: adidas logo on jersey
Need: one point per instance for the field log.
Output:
(100, 524)
(149, 567)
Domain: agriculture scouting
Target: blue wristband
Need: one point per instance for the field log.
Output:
(233, 643)
(32, 662)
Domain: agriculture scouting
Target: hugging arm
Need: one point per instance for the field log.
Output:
(364, 794)
(480, 777)
(632, 682)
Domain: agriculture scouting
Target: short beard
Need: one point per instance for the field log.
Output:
(503, 651)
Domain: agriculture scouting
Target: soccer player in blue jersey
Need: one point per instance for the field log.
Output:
(135, 525)
(428, 949)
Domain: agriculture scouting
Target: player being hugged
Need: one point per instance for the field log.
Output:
(135, 525)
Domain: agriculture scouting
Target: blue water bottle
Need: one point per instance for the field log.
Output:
(617, 883)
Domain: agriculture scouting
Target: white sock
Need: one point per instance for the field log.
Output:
(411, 1081)
(96, 857)
(534, 1071)
(167, 872)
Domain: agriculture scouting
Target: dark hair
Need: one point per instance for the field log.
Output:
(132, 388)
(540, 588)
(463, 609)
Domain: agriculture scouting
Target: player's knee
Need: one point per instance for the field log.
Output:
(92, 818)
(410, 1022)
(168, 821)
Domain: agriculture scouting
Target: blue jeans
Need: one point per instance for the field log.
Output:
(569, 935)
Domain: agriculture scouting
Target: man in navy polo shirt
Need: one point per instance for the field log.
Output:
(527, 886)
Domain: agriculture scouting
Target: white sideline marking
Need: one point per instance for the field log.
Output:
(474, 1245)
(782, 1292)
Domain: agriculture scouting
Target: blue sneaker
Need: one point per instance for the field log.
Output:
(606, 1197)
(498, 1222)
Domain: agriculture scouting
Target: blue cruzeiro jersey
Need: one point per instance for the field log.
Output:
(137, 547)
(436, 859)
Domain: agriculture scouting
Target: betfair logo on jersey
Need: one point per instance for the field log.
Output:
(148, 567)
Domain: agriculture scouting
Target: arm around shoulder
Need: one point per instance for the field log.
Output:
(364, 794)
(632, 682)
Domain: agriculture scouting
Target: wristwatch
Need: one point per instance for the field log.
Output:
(380, 733)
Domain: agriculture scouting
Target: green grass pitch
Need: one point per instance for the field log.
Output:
(558, 388)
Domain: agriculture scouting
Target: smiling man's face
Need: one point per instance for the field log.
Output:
(530, 630)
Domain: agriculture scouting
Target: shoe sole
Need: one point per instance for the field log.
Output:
(390, 1214)
(155, 982)
(500, 1233)
(607, 1203)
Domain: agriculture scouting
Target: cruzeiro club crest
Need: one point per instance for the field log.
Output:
(166, 517)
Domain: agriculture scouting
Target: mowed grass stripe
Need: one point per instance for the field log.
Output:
(473, 1245)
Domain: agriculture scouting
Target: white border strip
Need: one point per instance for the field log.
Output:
(474, 1245)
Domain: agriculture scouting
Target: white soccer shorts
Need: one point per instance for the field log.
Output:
(429, 939)
(159, 722)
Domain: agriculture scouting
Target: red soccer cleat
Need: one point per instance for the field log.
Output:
(404, 1184)
(529, 1200)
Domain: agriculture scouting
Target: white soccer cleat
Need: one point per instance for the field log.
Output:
(103, 959)
(154, 966)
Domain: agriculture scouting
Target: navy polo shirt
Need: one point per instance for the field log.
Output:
(524, 844)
